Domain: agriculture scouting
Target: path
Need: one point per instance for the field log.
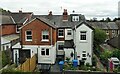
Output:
(100, 65)
(55, 68)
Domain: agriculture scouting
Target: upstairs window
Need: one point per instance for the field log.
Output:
(45, 35)
(29, 35)
(75, 18)
(69, 32)
(60, 33)
(83, 35)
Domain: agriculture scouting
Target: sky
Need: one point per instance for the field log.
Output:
(90, 8)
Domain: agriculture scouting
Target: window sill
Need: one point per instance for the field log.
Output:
(28, 40)
(60, 36)
(45, 40)
(83, 41)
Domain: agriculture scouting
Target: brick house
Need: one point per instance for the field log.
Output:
(111, 28)
(51, 36)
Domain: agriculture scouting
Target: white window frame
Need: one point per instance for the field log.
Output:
(83, 34)
(60, 43)
(45, 50)
(59, 32)
(75, 18)
(28, 35)
(69, 31)
(17, 28)
(84, 53)
(45, 34)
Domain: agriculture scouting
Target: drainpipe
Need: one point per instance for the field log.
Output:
(74, 44)
(51, 37)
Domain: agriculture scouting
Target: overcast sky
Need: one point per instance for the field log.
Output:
(89, 8)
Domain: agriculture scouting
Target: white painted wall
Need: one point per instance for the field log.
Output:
(4, 46)
(84, 45)
(60, 52)
(47, 59)
(68, 37)
(35, 49)
(68, 52)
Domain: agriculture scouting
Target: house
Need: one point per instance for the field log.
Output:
(8, 32)
(115, 42)
(111, 28)
(84, 42)
(54, 37)
(8, 41)
(8, 25)
(39, 35)
(21, 18)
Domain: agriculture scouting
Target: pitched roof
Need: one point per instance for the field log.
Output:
(86, 23)
(68, 44)
(104, 25)
(100, 25)
(58, 20)
(112, 25)
(115, 42)
(6, 19)
(20, 17)
(40, 19)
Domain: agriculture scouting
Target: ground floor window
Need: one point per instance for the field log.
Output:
(45, 51)
(84, 55)
(60, 45)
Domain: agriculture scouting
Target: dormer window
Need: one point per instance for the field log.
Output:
(75, 18)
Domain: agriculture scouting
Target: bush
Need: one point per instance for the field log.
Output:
(94, 61)
(4, 59)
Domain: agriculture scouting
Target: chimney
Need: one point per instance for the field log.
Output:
(50, 13)
(65, 15)
(20, 11)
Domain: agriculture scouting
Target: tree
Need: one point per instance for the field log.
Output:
(99, 37)
(116, 53)
(108, 19)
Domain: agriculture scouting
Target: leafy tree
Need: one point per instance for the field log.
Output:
(108, 19)
(104, 57)
(116, 53)
(99, 37)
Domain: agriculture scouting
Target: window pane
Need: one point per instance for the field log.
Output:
(29, 33)
(83, 35)
(60, 32)
(83, 58)
(47, 51)
(45, 34)
(83, 55)
(68, 32)
(60, 47)
(29, 37)
(42, 51)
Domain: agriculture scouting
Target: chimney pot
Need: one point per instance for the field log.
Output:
(20, 11)
(50, 13)
(65, 15)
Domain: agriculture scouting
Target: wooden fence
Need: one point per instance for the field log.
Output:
(29, 65)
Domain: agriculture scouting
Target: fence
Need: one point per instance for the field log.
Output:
(29, 65)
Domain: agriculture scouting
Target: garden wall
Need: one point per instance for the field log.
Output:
(29, 65)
